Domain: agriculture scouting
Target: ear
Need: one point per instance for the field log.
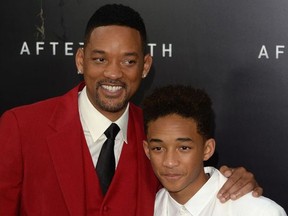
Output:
(147, 65)
(79, 58)
(146, 148)
(209, 148)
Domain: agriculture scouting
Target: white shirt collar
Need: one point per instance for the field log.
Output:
(200, 200)
(173, 207)
(98, 123)
(206, 193)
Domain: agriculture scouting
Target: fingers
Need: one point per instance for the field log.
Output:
(229, 190)
(226, 171)
(239, 183)
(257, 191)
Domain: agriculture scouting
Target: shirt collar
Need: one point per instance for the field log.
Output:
(173, 206)
(96, 122)
(206, 193)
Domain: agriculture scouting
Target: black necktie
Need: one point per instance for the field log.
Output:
(105, 167)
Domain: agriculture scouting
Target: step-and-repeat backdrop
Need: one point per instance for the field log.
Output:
(236, 50)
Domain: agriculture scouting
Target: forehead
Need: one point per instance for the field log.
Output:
(104, 36)
(172, 126)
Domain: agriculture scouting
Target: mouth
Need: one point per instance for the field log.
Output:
(111, 88)
(171, 176)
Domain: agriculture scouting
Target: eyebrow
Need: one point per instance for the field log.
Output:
(181, 139)
(184, 139)
(131, 54)
(155, 140)
(96, 51)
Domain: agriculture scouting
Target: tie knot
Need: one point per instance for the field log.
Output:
(112, 131)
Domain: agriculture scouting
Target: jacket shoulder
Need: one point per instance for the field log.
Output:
(45, 105)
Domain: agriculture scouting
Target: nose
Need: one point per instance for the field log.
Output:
(113, 70)
(171, 159)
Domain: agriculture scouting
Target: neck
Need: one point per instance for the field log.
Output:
(187, 193)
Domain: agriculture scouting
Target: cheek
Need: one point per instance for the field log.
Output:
(133, 82)
(93, 72)
(155, 162)
(193, 163)
(90, 84)
(133, 76)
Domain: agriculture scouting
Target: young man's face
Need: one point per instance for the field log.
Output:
(113, 64)
(176, 151)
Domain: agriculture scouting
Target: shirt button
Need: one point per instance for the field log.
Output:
(183, 211)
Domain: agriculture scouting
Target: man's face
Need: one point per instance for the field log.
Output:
(113, 64)
(176, 151)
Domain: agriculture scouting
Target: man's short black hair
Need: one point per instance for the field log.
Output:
(185, 101)
(116, 14)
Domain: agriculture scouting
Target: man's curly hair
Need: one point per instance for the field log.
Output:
(185, 101)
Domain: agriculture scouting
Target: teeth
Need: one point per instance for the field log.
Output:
(111, 88)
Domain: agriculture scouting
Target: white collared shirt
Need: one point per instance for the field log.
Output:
(94, 125)
(206, 203)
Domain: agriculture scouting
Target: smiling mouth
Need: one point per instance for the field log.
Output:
(111, 88)
(171, 177)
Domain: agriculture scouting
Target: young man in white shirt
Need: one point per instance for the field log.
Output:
(179, 123)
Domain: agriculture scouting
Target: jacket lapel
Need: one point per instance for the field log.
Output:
(65, 146)
(146, 178)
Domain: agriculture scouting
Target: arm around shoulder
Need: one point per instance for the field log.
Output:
(239, 183)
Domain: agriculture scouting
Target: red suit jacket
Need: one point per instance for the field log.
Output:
(44, 169)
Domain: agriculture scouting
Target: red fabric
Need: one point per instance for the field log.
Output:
(42, 165)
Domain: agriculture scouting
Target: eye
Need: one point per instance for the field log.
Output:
(99, 60)
(184, 148)
(157, 149)
(129, 62)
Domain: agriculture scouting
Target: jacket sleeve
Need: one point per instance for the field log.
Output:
(10, 165)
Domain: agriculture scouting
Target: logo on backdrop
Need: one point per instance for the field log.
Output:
(54, 48)
(271, 53)
(69, 48)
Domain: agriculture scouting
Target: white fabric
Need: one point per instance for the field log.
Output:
(94, 125)
(205, 202)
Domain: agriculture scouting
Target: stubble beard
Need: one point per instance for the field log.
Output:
(110, 107)
(107, 104)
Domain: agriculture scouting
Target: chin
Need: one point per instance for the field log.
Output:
(113, 107)
(171, 188)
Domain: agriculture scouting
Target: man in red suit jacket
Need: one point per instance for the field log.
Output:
(49, 149)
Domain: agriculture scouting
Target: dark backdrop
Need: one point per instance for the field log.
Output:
(236, 50)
